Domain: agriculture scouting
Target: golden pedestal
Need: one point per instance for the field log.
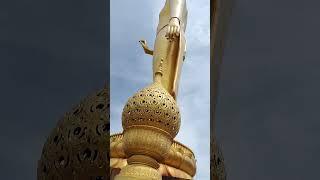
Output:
(151, 120)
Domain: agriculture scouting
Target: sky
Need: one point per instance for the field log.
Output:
(131, 69)
(267, 111)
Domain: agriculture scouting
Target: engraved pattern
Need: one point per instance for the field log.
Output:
(76, 148)
(140, 172)
(179, 156)
(150, 119)
(146, 142)
(152, 106)
(182, 158)
(116, 146)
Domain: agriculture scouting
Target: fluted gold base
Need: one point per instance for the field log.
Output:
(138, 172)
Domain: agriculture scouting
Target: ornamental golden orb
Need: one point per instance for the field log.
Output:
(152, 107)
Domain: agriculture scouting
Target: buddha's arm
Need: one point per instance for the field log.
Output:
(145, 47)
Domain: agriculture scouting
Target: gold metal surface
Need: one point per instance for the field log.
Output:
(145, 47)
(150, 120)
(170, 45)
(180, 157)
(117, 164)
(153, 107)
(76, 148)
(138, 172)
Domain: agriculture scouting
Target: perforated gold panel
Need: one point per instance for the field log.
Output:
(78, 148)
(152, 106)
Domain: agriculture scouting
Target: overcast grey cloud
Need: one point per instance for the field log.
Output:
(267, 111)
(52, 55)
(131, 69)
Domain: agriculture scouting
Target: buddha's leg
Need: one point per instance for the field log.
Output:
(165, 59)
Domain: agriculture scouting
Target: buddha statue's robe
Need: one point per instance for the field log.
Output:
(169, 54)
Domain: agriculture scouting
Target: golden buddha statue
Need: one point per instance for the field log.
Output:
(170, 45)
(151, 117)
